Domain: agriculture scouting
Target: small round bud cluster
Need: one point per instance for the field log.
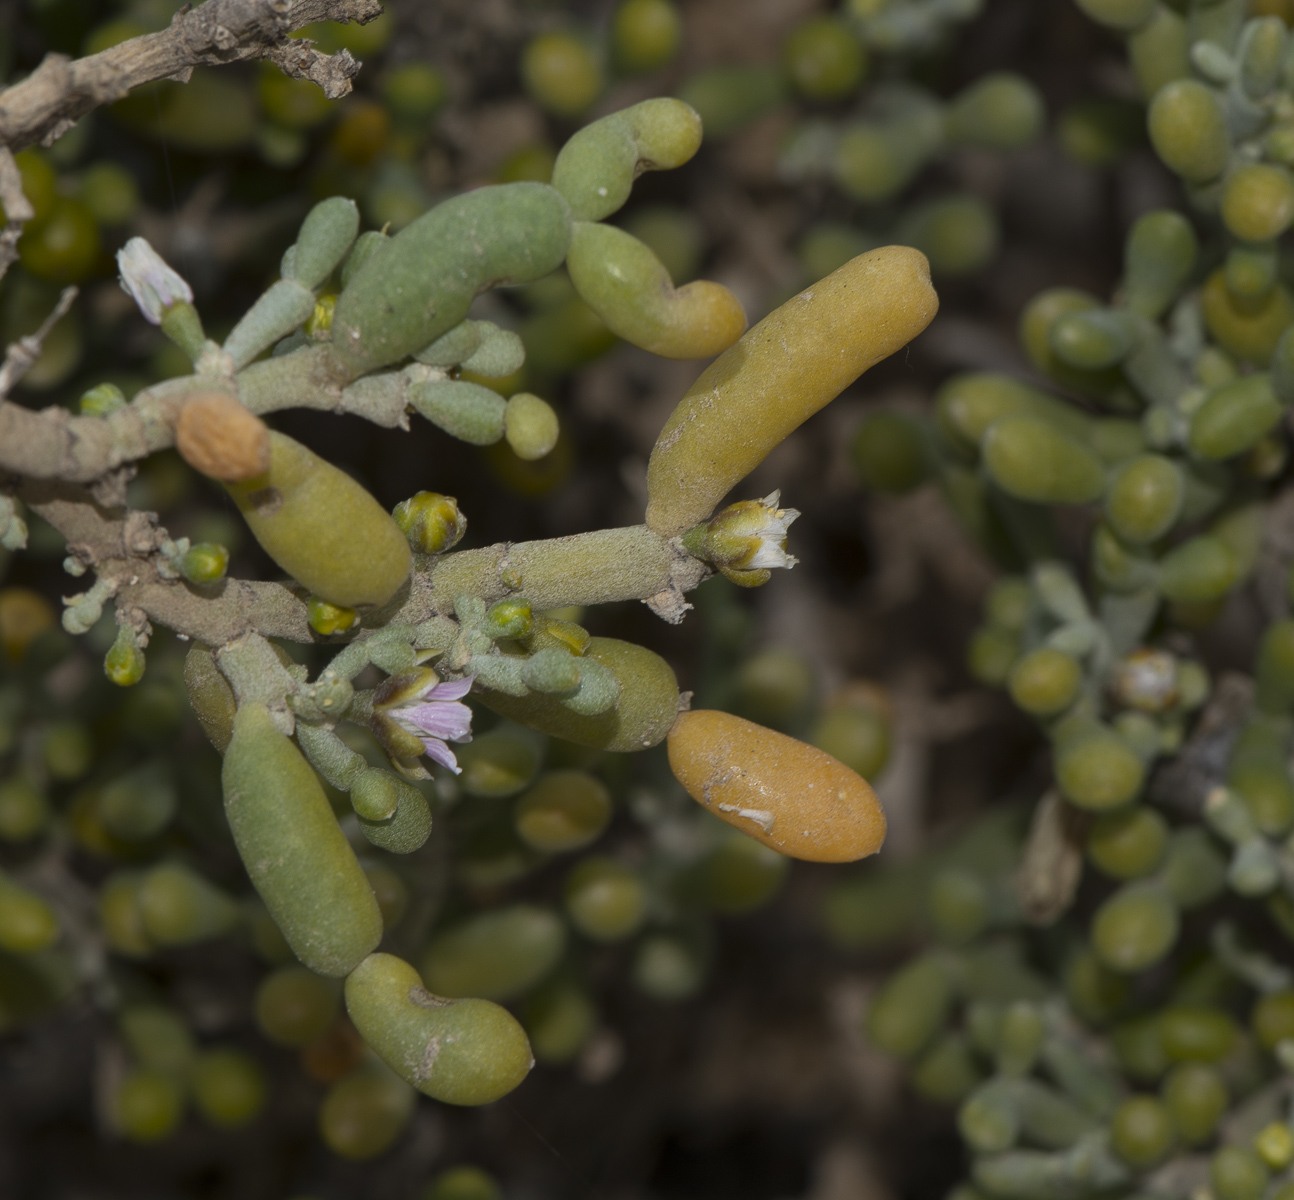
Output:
(431, 522)
(327, 619)
(124, 662)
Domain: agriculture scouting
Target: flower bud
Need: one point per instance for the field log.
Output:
(431, 522)
(745, 540)
(216, 435)
(326, 619)
(152, 284)
(102, 400)
(507, 619)
(204, 563)
(124, 662)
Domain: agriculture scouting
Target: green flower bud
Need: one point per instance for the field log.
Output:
(124, 662)
(295, 1006)
(741, 875)
(668, 968)
(1258, 202)
(1246, 328)
(1235, 418)
(1119, 14)
(642, 716)
(1188, 130)
(27, 922)
(530, 426)
(890, 453)
(999, 111)
(229, 1088)
(24, 811)
(326, 619)
(824, 59)
(147, 1107)
(1128, 844)
(1198, 570)
(431, 522)
(1032, 459)
(180, 908)
(298, 859)
(102, 400)
(139, 804)
(498, 763)
(730, 97)
(605, 900)
(499, 955)
(562, 73)
(910, 1008)
(1144, 498)
(1158, 258)
(205, 562)
(1158, 51)
(645, 34)
(1135, 928)
(559, 1018)
(1045, 681)
(508, 619)
(565, 810)
(1238, 1173)
(365, 1111)
(1094, 339)
(1142, 1132)
(323, 528)
(1196, 1098)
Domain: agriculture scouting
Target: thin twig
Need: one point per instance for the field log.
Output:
(21, 355)
(60, 91)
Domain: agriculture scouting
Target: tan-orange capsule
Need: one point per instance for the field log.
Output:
(791, 796)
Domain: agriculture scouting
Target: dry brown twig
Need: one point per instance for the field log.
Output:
(61, 91)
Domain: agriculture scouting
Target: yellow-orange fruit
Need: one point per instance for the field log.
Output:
(777, 375)
(794, 798)
(216, 435)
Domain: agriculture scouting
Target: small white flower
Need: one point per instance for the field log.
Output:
(772, 533)
(745, 540)
(152, 284)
